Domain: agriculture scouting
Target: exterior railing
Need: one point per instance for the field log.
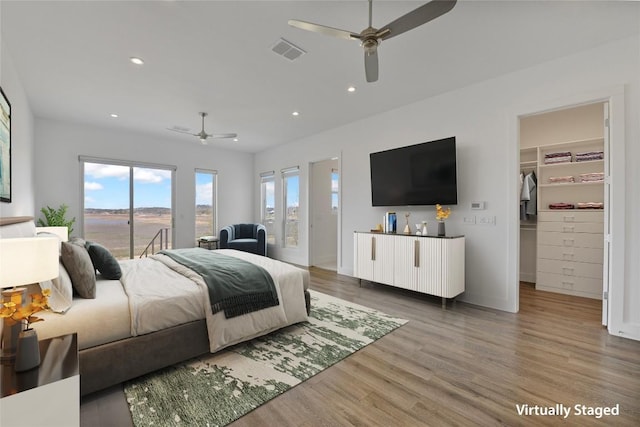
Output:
(163, 235)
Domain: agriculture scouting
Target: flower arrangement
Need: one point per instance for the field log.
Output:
(441, 213)
(13, 311)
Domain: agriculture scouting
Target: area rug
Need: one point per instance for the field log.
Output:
(216, 389)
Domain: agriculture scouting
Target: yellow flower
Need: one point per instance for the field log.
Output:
(441, 213)
(39, 302)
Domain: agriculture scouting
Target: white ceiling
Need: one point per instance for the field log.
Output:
(215, 56)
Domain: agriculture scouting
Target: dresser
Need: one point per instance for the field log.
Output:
(427, 264)
(570, 252)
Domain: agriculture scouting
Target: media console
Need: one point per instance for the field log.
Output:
(427, 264)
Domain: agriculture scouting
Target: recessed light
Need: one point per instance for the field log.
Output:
(351, 89)
(136, 60)
(114, 115)
(295, 114)
(235, 139)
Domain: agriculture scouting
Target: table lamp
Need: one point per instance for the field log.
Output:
(23, 261)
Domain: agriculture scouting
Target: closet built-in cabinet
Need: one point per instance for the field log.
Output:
(570, 219)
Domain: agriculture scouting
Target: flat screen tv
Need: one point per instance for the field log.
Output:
(421, 174)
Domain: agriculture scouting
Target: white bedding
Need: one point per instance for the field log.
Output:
(97, 321)
(157, 293)
(290, 283)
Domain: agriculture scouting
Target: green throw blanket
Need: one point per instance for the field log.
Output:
(236, 286)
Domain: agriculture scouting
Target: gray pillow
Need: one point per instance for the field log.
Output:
(103, 261)
(61, 288)
(78, 263)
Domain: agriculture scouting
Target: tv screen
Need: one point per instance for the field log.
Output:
(421, 174)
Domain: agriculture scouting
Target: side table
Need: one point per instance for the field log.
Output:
(48, 395)
(209, 242)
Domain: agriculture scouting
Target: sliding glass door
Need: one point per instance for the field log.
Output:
(127, 207)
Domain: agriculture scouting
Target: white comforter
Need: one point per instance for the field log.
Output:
(163, 293)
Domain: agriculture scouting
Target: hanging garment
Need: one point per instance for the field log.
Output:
(529, 196)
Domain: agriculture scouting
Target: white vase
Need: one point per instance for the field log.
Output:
(27, 351)
(424, 228)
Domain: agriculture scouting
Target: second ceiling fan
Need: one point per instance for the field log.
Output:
(371, 37)
(202, 135)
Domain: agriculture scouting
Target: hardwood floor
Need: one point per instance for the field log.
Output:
(465, 365)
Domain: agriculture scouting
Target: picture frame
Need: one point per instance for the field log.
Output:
(5, 148)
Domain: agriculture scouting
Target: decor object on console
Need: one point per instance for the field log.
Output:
(424, 228)
(407, 229)
(441, 215)
(245, 237)
(24, 261)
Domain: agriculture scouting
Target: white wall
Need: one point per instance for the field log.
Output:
(324, 221)
(482, 118)
(58, 145)
(22, 145)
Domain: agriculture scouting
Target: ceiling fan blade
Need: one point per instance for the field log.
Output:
(182, 131)
(371, 65)
(416, 17)
(322, 29)
(223, 135)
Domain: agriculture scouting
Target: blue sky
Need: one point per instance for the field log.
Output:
(107, 187)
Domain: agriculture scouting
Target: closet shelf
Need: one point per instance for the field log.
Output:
(529, 163)
(571, 164)
(571, 184)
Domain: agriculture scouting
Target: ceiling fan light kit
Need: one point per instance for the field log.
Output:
(371, 37)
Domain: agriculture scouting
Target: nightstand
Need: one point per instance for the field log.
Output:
(48, 395)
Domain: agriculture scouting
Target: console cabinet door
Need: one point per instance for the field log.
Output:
(430, 267)
(407, 262)
(373, 255)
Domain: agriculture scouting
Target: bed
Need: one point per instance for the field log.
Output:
(159, 312)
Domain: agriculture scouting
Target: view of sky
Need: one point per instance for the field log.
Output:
(107, 187)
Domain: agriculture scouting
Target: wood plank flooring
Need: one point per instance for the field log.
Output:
(465, 365)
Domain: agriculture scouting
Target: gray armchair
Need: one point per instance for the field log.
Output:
(245, 237)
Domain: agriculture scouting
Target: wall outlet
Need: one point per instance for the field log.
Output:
(469, 220)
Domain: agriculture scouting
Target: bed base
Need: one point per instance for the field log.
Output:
(113, 363)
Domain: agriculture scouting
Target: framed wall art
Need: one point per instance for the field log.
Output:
(5, 148)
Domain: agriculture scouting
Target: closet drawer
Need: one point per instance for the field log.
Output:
(582, 286)
(571, 227)
(576, 240)
(571, 216)
(570, 268)
(567, 253)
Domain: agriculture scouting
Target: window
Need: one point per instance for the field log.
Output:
(268, 204)
(206, 205)
(127, 206)
(291, 188)
(334, 190)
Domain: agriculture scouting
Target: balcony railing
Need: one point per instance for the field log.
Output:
(163, 236)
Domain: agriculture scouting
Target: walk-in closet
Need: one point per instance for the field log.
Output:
(563, 199)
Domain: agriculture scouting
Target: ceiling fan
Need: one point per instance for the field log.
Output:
(204, 135)
(371, 37)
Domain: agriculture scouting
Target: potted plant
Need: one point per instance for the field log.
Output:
(56, 218)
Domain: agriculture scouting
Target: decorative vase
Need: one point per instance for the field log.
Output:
(27, 351)
(424, 228)
(441, 231)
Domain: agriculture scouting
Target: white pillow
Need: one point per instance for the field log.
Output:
(61, 291)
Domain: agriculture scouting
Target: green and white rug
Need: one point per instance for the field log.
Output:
(216, 389)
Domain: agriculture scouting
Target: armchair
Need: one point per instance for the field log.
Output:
(245, 237)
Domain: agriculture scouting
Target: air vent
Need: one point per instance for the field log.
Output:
(287, 49)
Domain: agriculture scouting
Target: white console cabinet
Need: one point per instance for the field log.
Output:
(427, 264)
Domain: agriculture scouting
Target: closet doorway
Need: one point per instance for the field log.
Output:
(324, 208)
(564, 202)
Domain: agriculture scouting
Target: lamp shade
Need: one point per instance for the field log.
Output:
(27, 260)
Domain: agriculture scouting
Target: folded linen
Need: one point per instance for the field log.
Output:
(561, 179)
(561, 206)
